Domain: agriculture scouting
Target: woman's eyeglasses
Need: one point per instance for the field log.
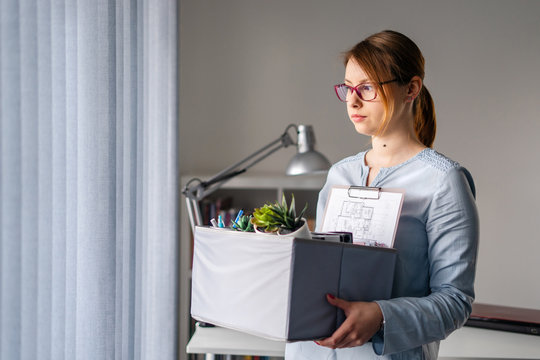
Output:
(365, 91)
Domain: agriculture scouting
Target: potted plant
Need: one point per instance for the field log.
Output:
(264, 219)
(281, 219)
(244, 224)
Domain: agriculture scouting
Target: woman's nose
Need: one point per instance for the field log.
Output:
(354, 100)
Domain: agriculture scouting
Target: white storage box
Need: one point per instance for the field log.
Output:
(275, 287)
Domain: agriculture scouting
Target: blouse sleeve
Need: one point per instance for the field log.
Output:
(452, 233)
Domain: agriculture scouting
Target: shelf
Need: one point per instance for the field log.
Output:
(465, 343)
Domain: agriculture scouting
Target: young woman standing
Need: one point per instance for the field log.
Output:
(437, 235)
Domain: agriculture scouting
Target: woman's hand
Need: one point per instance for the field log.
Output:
(362, 322)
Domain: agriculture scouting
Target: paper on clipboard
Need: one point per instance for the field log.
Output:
(370, 214)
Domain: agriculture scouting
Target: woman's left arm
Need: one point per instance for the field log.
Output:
(452, 230)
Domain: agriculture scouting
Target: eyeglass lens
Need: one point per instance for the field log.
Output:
(366, 92)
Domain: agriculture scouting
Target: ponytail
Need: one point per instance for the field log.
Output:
(425, 124)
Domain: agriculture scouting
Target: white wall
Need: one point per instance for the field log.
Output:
(250, 67)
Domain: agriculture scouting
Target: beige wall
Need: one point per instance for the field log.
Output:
(250, 67)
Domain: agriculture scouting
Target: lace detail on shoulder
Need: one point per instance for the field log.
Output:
(438, 160)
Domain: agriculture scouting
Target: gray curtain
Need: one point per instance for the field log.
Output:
(88, 179)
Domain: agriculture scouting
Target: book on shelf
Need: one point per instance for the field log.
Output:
(213, 208)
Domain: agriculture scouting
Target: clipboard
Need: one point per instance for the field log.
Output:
(371, 214)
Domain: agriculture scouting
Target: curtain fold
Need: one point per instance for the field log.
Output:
(88, 179)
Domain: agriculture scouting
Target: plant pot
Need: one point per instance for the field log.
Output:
(259, 231)
(302, 232)
(256, 228)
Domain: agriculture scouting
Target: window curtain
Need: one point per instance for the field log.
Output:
(88, 179)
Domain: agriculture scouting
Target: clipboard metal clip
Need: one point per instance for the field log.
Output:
(364, 192)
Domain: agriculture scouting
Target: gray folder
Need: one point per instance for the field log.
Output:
(351, 272)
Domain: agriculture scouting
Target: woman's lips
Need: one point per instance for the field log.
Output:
(358, 118)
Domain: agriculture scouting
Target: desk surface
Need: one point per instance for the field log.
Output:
(466, 342)
(216, 340)
(485, 343)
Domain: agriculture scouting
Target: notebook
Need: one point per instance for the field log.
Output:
(505, 318)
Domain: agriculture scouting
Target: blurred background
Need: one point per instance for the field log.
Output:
(249, 68)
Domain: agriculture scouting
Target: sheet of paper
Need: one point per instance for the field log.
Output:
(372, 221)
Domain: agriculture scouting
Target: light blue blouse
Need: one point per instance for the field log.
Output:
(437, 242)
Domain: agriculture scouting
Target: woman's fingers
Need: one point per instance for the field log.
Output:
(337, 302)
(359, 326)
(345, 336)
(337, 338)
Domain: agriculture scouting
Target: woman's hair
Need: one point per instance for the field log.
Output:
(390, 55)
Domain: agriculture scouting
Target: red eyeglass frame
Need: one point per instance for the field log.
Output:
(355, 88)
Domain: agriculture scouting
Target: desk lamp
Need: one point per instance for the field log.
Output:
(305, 161)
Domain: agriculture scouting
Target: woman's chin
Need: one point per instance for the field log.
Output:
(362, 129)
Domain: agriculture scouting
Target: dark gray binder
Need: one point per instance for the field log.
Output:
(351, 272)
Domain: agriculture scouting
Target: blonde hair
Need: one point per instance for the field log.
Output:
(391, 55)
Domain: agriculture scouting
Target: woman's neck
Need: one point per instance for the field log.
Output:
(391, 150)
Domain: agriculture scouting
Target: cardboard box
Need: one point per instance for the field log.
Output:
(276, 287)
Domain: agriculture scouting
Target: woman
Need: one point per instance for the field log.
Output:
(437, 235)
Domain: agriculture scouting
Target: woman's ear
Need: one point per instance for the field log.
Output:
(414, 87)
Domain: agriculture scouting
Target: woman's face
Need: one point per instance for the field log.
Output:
(366, 116)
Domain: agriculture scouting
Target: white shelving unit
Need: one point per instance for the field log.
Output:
(247, 192)
(467, 343)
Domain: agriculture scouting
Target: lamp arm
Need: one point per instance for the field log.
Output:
(232, 171)
(196, 192)
(284, 140)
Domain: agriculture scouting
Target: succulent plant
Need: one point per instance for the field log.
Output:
(287, 214)
(244, 223)
(273, 217)
(265, 218)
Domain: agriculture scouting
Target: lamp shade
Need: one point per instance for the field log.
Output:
(307, 160)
